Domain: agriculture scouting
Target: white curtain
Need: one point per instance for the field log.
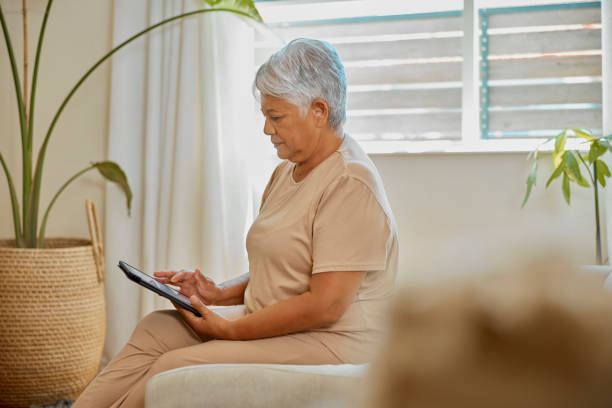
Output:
(181, 126)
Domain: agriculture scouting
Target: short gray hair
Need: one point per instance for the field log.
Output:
(302, 71)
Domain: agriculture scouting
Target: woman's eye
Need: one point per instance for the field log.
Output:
(275, 118)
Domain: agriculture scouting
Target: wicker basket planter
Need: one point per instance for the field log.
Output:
(52, 321)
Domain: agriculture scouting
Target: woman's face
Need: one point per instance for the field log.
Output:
(295, 138)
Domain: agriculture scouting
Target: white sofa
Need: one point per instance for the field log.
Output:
(256, 386)
(271, 385)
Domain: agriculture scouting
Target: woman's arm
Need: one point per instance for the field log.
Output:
(329, 296)
(232, 291)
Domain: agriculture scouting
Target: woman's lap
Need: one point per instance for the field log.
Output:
(165, 333)
(299, 348)
(163, 341)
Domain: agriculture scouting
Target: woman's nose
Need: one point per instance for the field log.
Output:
(268, 128)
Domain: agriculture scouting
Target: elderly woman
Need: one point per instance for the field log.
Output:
(322, 252)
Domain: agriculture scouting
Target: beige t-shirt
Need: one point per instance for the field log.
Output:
(336, 219)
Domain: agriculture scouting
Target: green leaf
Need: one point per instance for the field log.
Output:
(573, 169)
(598, 148)
(244, 6)
(558, 170)
(602, 172)
(566, 187)
(533, 155)
(583, 134)
(112, 172)
(560, 141)
(531, 181)
(557, 158)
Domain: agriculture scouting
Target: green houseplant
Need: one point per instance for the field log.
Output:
(26, 230)
(52, 348)
(567, 164)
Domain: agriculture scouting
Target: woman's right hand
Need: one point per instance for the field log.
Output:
(192, 283)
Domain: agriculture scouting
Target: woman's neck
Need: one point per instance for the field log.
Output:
(329, 144)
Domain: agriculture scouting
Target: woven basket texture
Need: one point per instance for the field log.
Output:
(52, 321)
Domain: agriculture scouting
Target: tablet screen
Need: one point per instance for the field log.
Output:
(151, 281)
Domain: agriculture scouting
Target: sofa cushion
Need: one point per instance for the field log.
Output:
(255, 385)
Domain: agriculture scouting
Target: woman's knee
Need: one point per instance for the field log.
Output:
(170, 360)
(163, 331)
(156, 324)
(158, 318)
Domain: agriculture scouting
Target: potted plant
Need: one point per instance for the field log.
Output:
(52, 350)
(567, 164)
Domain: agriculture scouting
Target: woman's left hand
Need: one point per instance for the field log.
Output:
(210, 325)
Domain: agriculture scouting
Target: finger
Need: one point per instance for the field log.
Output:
(177, 307)
(183, 312)
(185, 275)
(179, 276)
(201, 286)
(199, 306)
(189, 317)
(199, 277)
(166, 274)
(166, 282)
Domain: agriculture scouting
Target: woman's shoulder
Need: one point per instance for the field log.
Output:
(356, 165)
(283, 166)
(279, 172)
(355, 171)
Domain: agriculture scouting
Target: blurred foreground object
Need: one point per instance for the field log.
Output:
(538, 334)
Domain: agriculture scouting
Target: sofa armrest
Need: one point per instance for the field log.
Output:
(255, 385)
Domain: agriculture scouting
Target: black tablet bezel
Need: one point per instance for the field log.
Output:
(125, 267)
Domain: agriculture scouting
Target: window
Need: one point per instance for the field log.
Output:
(536, 68)
(540, 69)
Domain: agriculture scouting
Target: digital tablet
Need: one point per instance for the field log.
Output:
(150, 283)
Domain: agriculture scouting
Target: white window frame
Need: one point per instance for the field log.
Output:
(471, 141)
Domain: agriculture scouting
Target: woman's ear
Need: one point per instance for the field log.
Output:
(320, 111)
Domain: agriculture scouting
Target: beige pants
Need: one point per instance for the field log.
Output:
(163, 341)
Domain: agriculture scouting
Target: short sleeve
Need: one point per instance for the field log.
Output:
(350, 229)
(268, 188)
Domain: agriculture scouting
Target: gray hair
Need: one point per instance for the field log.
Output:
(302, 71)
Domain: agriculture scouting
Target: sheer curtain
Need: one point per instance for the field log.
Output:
(181, 125)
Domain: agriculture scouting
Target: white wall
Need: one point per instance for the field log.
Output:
(439, 199)
(434, 196)
(78, 33)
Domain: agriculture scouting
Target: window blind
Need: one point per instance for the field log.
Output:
(540, 69)
(403, 71)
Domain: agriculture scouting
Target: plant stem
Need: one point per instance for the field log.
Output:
(27, 149)
(586, 166)
(14, 204)
(593, 177)
(597, 228)
(27, 220)
(22, 124)
(25, 57)
(16, 81)
(33, 203)
(43, 225)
